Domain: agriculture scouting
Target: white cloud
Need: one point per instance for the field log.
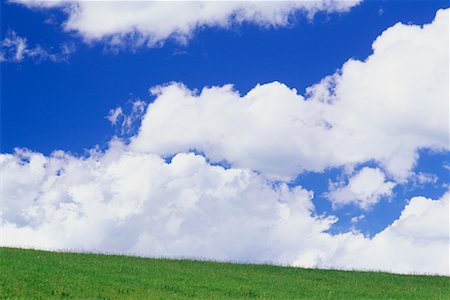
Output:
(418, 242)
(114, 115)
(356, 219)
(133, 203)
(150, 207)
(15, 49)
(42, 3)
(127, 119)
(390, 94)
(382, 109)
(152, 22)
(421, 179)
(446, 165)
(364, 189)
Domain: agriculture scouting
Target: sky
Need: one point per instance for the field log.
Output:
(304, 133)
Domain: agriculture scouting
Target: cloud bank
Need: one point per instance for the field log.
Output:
(126, 202)
(152, 22)
(154, 196)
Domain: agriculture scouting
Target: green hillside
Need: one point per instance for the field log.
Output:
(40, 274)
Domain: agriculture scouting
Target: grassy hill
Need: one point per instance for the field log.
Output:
(41, 274)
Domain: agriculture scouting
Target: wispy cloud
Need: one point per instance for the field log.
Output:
(15, 49)
(127, 119)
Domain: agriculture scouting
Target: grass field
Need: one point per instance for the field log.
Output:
(40, 274)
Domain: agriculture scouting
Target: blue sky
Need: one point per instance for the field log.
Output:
(62, 103)
(46, 115)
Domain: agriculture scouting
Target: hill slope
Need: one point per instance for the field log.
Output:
(41, 274)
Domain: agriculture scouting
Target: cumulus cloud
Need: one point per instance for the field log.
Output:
(364, 189)
(14, 49)
(148, 206)
(390, 94)
(126, 202)
(418, 242)
(372, 110)
(152, 22)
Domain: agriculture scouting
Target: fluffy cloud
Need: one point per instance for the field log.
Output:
(418, 242)
(152, 22)
(14, 48)
(364, 189)
(388, 96)
(372, 110)
(126, 202)
(137, 203)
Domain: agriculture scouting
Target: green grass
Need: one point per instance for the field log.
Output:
(33, 274)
